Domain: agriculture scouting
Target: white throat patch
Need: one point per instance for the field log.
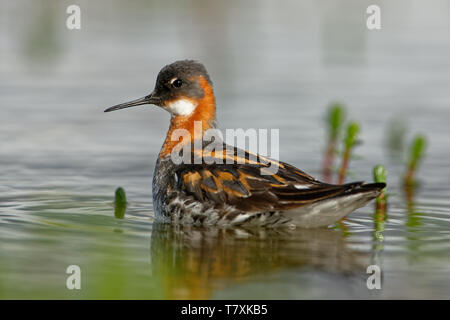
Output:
(181, 107)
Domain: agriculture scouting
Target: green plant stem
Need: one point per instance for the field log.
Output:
(350, 141)
(328, 161)
(379, 175)
(335, 119)
(344, 166)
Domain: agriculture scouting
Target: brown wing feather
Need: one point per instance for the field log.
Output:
(244, 187)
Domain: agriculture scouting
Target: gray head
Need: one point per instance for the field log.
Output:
(178, 89)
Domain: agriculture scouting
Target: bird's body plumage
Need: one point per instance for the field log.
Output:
(238, 194)
(232, 186)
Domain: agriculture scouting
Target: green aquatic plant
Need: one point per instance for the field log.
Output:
(414, 221)
(349, 142)
(120, 203)
(395, 138)
(379, 175)
(416, 155)
(335, 121)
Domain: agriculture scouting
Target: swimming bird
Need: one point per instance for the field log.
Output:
(234, 187)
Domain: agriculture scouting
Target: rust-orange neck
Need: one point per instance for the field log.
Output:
(201, 119)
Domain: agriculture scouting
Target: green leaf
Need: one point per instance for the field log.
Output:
(417, 149)
(120, 203)
(352, 133)
(335, 119)
(379, 173)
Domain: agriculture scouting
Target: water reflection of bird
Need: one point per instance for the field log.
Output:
(231, 186)
(194, 262)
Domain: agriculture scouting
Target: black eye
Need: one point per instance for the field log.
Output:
(177, 83)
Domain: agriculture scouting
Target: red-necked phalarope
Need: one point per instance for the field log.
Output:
(238, 193)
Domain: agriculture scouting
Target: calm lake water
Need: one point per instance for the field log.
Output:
(273, 66)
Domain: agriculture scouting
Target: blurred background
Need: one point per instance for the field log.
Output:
(274, 65)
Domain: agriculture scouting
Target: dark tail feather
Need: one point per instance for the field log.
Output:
(374, 188)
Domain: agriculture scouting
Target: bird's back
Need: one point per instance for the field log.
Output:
(235, 187)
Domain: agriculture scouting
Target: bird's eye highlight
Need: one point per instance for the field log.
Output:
(177, 83)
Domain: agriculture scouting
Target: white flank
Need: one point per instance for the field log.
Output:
(302, 186)
(181, 107)
(326, 212)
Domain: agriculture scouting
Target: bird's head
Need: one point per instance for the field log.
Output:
(182, 88)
